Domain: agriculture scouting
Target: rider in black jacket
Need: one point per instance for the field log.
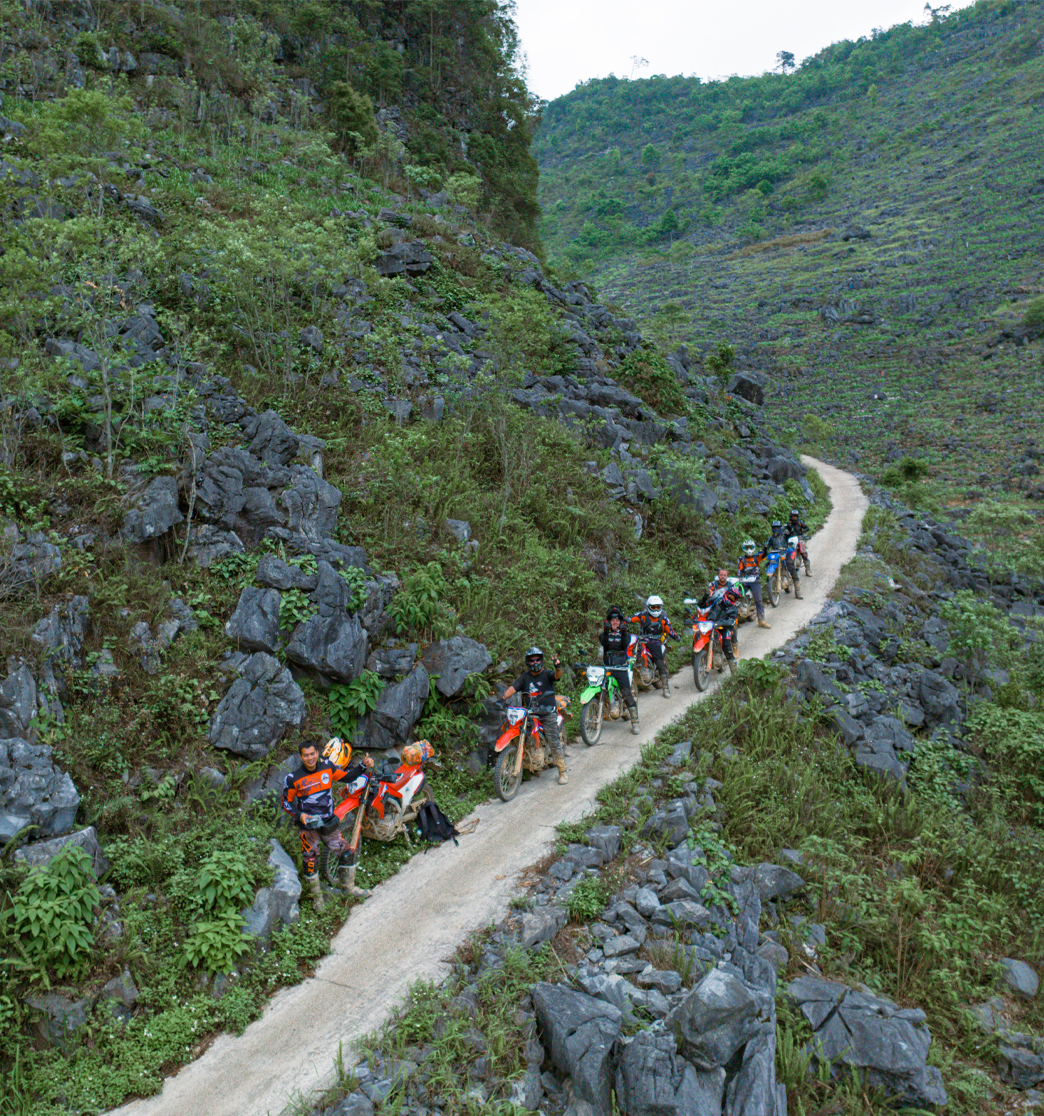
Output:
(616, 644)
(797, 526)
(538, 685)
(778, 541)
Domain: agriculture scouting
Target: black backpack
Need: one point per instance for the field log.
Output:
(434, 826)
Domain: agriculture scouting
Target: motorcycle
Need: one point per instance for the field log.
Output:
(391, 799)
(778, 575)
(644, 664)
(601, 698)
(520, 747)
(706, 643)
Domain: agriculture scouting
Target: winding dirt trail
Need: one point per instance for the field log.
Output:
(415, 920)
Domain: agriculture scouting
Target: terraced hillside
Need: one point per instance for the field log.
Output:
(866, 228)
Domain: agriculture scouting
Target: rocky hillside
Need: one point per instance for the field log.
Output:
(819, 891)
(861, 227)
(292, 442)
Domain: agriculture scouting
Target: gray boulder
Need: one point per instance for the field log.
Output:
(208, 544)
(651, 1080)
(17, 702)
(311, 504)
(939, 698)
(274, 442)
(277, 905)
(1019, 977)
(44, 852)
(714, 1020)
(254, 626)
(750, 386)
(453, 660)
(391, 661)
(63, 632)
(397, 710)
(772, 881)
(782, 469)
(33, 791)
(605, 838)
(886, 1044)
(274, 573)
(754, 1090)
(542, 925)
(152, 513)
(56, 1017)
(258, 708)
(331, 643)
(580, 1035)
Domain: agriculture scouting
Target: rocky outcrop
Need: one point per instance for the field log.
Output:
(33, 791)
(260, 705)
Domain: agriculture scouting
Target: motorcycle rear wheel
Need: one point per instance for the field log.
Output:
(591, 719)
(700, 673)
(505, 781)
(643, 674)
(774, 583)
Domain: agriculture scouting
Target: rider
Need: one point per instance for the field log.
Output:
(718, 584)
(797, 526)
(723, 609)
(616, 644)
(539, 685)
(308, 799)
(653, 622)
(778, 541)
(750, 575)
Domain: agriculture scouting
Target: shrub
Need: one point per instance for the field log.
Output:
(1035, 313)
(351, 114)
(53, 911)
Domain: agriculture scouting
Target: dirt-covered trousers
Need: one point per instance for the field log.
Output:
(754, 588)
(548, 715)
(312, 841)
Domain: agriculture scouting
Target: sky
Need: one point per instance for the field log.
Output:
(570, 41)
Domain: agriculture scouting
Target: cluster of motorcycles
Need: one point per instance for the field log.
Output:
(390, 800)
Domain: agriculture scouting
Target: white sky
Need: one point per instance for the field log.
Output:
(569, 41)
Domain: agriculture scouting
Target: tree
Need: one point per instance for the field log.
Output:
(785, 60)
(637, 63)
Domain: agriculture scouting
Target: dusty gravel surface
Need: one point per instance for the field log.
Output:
(413, 923)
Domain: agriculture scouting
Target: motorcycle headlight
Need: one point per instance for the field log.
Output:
(595, 675)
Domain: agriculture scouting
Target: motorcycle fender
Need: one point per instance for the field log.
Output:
(507, 737)
(702, 642)
(589, 693)
(411, 788)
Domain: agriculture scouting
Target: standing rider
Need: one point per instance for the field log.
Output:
(750, 575)
(654, 625)
(616, 644)
(308, 799)
(539, 685)
(797, 526)
(778, 541)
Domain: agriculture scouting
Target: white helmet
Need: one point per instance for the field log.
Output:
(654, 606)
(749, 547)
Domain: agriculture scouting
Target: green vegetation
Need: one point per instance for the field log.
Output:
(885, 280)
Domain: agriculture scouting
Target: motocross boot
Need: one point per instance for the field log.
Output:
(797, 591)
(563, 778)
(808, 568)
(763, 623)
(315, 891)
(346, 878)
(633, 712)
(665, 684)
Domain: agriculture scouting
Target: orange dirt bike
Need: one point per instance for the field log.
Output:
(706, 645)
(391, 798)
(645, 672)
(521, 747)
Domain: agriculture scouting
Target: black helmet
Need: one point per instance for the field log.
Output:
(776, 525)
(534, 660)
(615, 613)
(795, 513)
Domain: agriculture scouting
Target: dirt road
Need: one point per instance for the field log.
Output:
(415, 921)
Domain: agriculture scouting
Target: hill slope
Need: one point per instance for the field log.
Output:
(866, 228)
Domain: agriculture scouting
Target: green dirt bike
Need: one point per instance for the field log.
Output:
(601, 698)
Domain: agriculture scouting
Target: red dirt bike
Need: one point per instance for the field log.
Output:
(392, 798)
(520, 747)
(645, 672)
(706, 644)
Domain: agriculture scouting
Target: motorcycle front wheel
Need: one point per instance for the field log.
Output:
(643, 674)
(700, 673)
(505, 781)
(591, 719)
(774, 581)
